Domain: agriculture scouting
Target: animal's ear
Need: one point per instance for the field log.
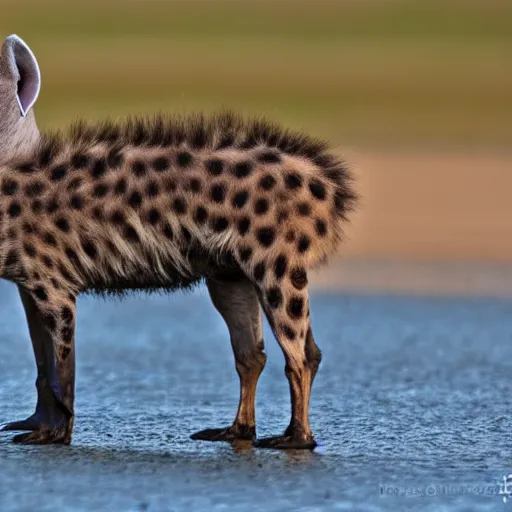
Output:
(24, 70)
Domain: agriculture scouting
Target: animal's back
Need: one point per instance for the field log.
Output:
(163, 201)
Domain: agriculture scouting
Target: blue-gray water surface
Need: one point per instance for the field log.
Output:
(411, 407)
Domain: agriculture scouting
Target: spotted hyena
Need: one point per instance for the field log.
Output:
(163, 203)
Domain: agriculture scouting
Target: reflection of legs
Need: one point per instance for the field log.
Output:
(52, 421)
(288, 314)
(238, 304)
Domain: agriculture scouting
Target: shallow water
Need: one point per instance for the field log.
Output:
(412, 398)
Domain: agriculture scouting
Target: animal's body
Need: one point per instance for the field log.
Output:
(163, 203)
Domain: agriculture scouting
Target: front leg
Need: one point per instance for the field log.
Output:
(51, 322)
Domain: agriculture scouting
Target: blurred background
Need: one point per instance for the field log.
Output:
(417, 96)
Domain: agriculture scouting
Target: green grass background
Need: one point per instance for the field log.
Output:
(434, 73)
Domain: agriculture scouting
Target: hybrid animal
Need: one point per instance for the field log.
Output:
(163, 203)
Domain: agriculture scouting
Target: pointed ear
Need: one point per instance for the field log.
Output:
(25, 71)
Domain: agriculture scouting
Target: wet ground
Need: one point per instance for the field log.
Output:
(411, 406)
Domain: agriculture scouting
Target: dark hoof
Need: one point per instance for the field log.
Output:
(286, 443)
(59, 436)
(229, 434)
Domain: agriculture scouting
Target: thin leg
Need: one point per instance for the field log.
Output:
(51, 322)
(287, 310)
(237, 302)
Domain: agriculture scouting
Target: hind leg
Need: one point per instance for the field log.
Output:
(287, 309)
(237, 302)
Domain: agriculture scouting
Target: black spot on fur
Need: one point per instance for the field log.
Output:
(131, 235)
(288, 332)
(282, 216)
(280, 266)
(35, 189)
(267, 182)
(266, 236)
(77, 202)
(27, 168)
(50, 321)
(199, 136)
(170, 185)
(274, 297)
(245, 254)
(138, 168)
(117, 217)
(28, 228)
(37, 206)
(47, 261)
(89, 249)
(97, 213)
(58, 173)
(100, 190)
(220, 224)
(244, 225)
(52, 206)
(317, 188)
(226, 141)
(184, 159)
(66, 314)
(120, 187)
(218, 193)
(114, 158)
(49, 239)
(299, 278)
(154, 216)
(179, 206)
(195, 185)
(200, 215)
(215, 166)
(161, 164)
(290, 236)
(9, 187)
(168, 232)
(62, 224)
(269, 157)
(321, 227)
(293, 181)
(67, 337)
(242, 169)
(240, 199)
(30, 250)
(303, 244)
(304, 209)
(40, 293)
(12, 258)
(135, 199)
(79, 161)
(259, 271)
(261, 206)
(152, 189)
(99, 168)
(295, 307)
(185, 233)
(14, 210)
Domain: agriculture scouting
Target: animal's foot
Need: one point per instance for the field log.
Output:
(287, 442)
(34, 422)
(55, 436)
(42, 429)
(230, 434)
